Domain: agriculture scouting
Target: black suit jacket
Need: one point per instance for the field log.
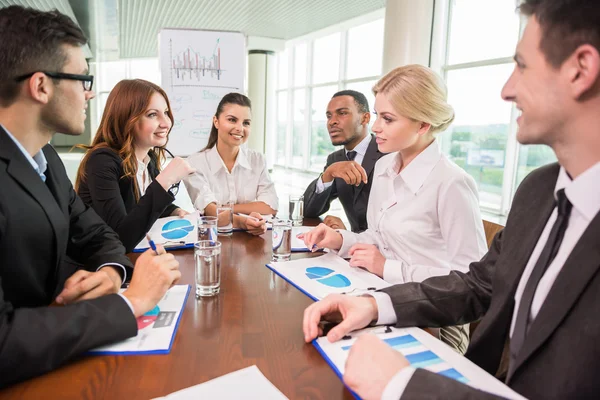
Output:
(112, 196)
(353, 199)
(41, 224)
(557, 360)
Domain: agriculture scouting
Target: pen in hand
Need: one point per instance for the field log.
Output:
(152, 244)
(248, 216)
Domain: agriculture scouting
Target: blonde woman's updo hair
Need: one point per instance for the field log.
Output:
(418, 93)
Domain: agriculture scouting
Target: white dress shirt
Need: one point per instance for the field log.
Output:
(142, 176)
(584, 194)
(247, 182)
(425, 220)
(361, 150)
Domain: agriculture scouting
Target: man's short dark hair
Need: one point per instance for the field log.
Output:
(31, 41)
(359, 99)
(566, 25)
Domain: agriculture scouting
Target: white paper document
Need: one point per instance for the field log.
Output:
(172, 232)
(319, 276)
(298, 244)
(247, 383)
(422, 351)
(156, 328)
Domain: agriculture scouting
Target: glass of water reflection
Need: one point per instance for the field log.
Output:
(207, 254)
(207, 228)
(296, 205)
(225, 218)
(282, 239)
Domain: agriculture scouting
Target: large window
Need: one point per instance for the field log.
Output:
(477, 46)
(310, 71)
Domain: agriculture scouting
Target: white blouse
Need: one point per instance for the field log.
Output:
(143, 176)
(424, 220)
(247, 182)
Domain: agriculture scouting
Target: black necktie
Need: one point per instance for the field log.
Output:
(351, 155)
(548, 253)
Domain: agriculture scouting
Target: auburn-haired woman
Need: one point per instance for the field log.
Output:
(120, 176)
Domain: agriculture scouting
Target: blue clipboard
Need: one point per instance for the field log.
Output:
(333, 367)
(135, 353)
(167, 247)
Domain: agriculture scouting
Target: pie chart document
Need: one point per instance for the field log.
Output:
(319, 276)
(172, 233)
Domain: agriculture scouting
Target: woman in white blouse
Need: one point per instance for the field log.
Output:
(228, 172)
(423, 215)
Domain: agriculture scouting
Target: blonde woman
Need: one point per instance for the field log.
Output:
(423, 214)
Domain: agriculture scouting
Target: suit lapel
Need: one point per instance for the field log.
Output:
(25, 176)
(579, 268)
(371, 156)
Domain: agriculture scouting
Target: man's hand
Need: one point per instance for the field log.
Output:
(322, 237)
(334, 222)
(85, 285)
(370, 366)
(354, 312)
(153, 275)
(256, 225)
(367, 256)
(350, 171)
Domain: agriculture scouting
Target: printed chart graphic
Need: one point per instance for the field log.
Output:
(328, 277)
(189, 66)
(148, 318)
(177, 229)
(420, 357)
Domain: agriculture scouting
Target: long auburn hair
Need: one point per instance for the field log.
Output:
(229, 98)
(126, 104)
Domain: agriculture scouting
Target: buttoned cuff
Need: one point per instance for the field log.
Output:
(385, 309)
(349, 239)
(128, 303)
(392, 271)
(123, 276)
(321, 187)
(395, 387)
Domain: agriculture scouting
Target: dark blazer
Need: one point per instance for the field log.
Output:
(40, 225)
(353, 199)
(560, 358)
(112, 197)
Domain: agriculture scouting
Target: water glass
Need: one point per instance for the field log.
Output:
(225, 218)
(282, 239)
(296, 206)
(207, 255)
(207, 228)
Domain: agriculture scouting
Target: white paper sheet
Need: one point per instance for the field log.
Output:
(247, 383)
(423, 351)
(298, 244)
(172, 232)
(320, 276)
(156, 328)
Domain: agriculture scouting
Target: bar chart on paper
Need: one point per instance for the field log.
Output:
(192, 68)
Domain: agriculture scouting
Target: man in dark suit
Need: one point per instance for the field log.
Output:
(348, 172)
(538, 288)
(44, 88)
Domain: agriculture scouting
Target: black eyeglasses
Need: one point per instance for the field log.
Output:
(86, 80)
(174, 189)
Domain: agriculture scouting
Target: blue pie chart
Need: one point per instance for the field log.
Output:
(327, 277)
(177, 229)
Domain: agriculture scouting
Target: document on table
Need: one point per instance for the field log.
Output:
(298, 244)
(422, 351)
(172, 232)
(156, 328)
(247, 383)
(319, 276)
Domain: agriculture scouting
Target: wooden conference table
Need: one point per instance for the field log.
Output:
(256, 319)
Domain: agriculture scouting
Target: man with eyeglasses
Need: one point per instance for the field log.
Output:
(45, 88)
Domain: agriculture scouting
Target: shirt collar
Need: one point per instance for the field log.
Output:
(583, 192)
(415, 173)
(38, 161)
(241, 159)
(143, 165)
(362, 147)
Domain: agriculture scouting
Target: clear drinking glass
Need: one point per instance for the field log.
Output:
(207, 228)
(207, 254)
(282, 239)
(225, 218)
(296, 205)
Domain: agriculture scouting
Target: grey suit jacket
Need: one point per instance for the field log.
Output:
(354, 199)
(41, 224)
(560, 358)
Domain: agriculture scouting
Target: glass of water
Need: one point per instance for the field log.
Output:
(207, 254)
(225, 218)
(207, 228)
(282, 239)
(296, 205)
